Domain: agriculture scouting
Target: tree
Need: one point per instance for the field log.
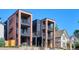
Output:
(56, 27)
(76, 33)
(78, 21)
(2, 42)
(76, 44)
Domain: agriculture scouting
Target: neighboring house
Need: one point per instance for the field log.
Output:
(19, 28)
(1, 30)
(44, 33)
(61, 39)
(74, 40)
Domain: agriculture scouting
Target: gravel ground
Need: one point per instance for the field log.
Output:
(21, 48)
(26, 48)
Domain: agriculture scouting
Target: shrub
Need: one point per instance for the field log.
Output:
(2, 42)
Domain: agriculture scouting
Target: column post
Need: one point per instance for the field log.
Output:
(46, 31)
(31, 31)
(19, 28)
(53, 34)
(42, 33)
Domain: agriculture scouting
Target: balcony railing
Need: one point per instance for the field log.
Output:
(24, 33)
(25, 22)
(49, 28)
(43, 27)
(49, 36)
(34, 35)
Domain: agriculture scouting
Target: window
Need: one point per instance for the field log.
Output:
(11, 29)
(11, 37)
(57, 41)
(10, 21)
(63, 44)
(16, 25)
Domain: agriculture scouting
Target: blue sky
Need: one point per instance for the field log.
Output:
(65, 18)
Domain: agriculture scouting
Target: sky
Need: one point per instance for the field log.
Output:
(65, 18)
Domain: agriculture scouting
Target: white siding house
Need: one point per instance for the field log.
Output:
(61, 39)
(64, 40)
(1, 30)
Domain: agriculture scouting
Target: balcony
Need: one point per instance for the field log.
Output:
(24, 33)
(49, 36)
(49, 28)
(34, 35)
(25, 22)
(43, 27)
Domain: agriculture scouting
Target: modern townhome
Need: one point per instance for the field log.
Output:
(19, 29)
(44, 33)
(61, 39)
